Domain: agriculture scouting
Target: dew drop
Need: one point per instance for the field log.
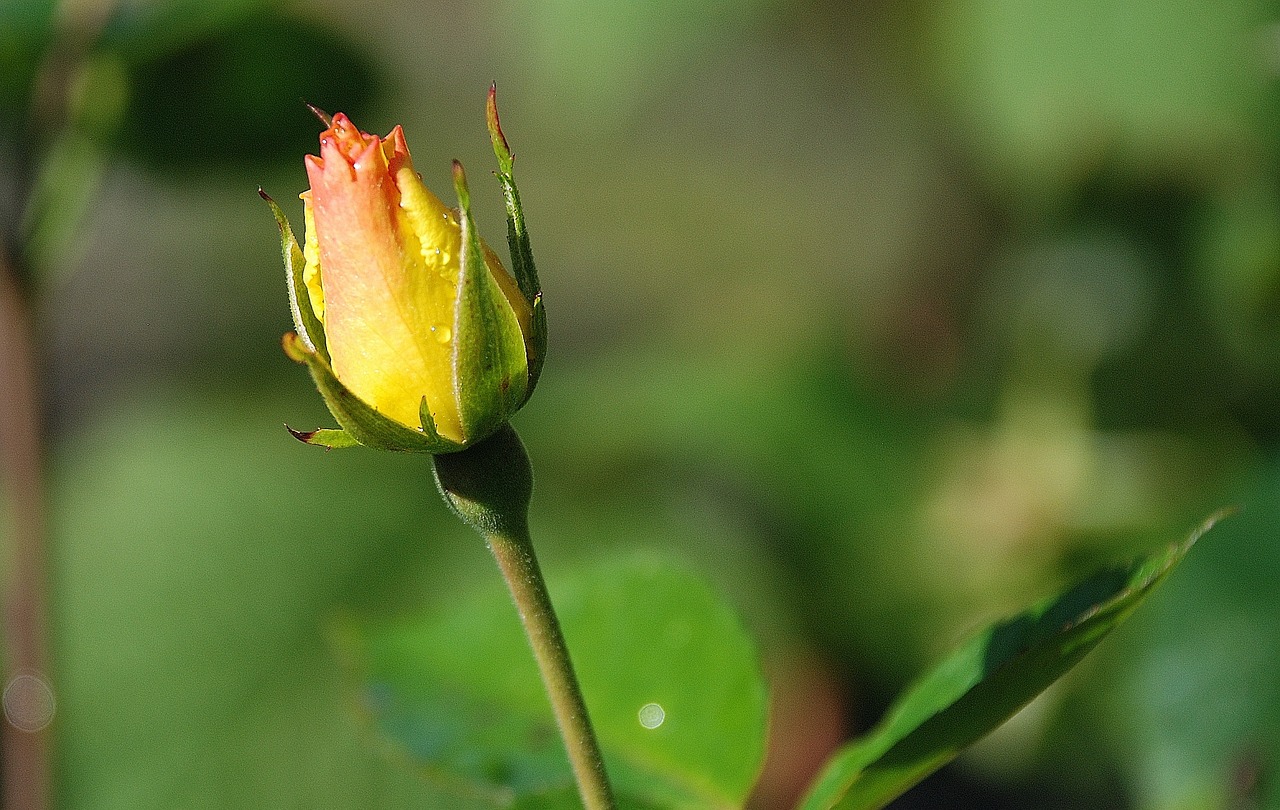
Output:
(443, 334)
(652, 715)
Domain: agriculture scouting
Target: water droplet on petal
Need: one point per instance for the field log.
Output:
(443, 334)
(652, 715)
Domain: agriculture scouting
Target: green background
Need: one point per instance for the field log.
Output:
(887, 318)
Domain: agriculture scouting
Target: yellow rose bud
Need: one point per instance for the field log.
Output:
(406, 319)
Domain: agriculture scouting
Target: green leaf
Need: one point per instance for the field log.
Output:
(1202, 685)
(984, 683)
(460, 692)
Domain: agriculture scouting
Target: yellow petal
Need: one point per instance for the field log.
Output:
(311, 256)
(388, 294)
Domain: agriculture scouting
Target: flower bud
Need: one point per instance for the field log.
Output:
(416, 335)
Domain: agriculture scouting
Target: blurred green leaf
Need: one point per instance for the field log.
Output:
(26, 28)
(1049, 88)
(150, 30)
(1237, 252)
(67, 185)
(984, 683)
(232, 97)
(652, 645)
(1200, 697)
(192, 590)
(605, 55)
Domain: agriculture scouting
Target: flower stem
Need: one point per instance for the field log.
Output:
(488, 486)
(514, 553)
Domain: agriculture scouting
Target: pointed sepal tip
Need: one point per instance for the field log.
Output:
(501, 149)
(324, 117)
(328, 438)
(460, 185)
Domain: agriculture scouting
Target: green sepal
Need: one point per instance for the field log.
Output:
(310, 328)
(500, 148)
(489, 485)
(360, 422)
(328, 438)
(490, 365)
(428, 422)
(522, 266)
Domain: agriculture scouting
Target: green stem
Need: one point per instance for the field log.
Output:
(488, 486)
(514, 553)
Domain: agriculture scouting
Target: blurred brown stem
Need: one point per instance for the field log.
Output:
(26, 745)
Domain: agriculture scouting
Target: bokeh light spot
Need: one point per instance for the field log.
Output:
(28, 702)
(652, 715)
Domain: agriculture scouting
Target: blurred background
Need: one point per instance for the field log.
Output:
(889, 317)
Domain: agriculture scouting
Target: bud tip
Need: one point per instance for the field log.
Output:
(324, 117)
(460, 185)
